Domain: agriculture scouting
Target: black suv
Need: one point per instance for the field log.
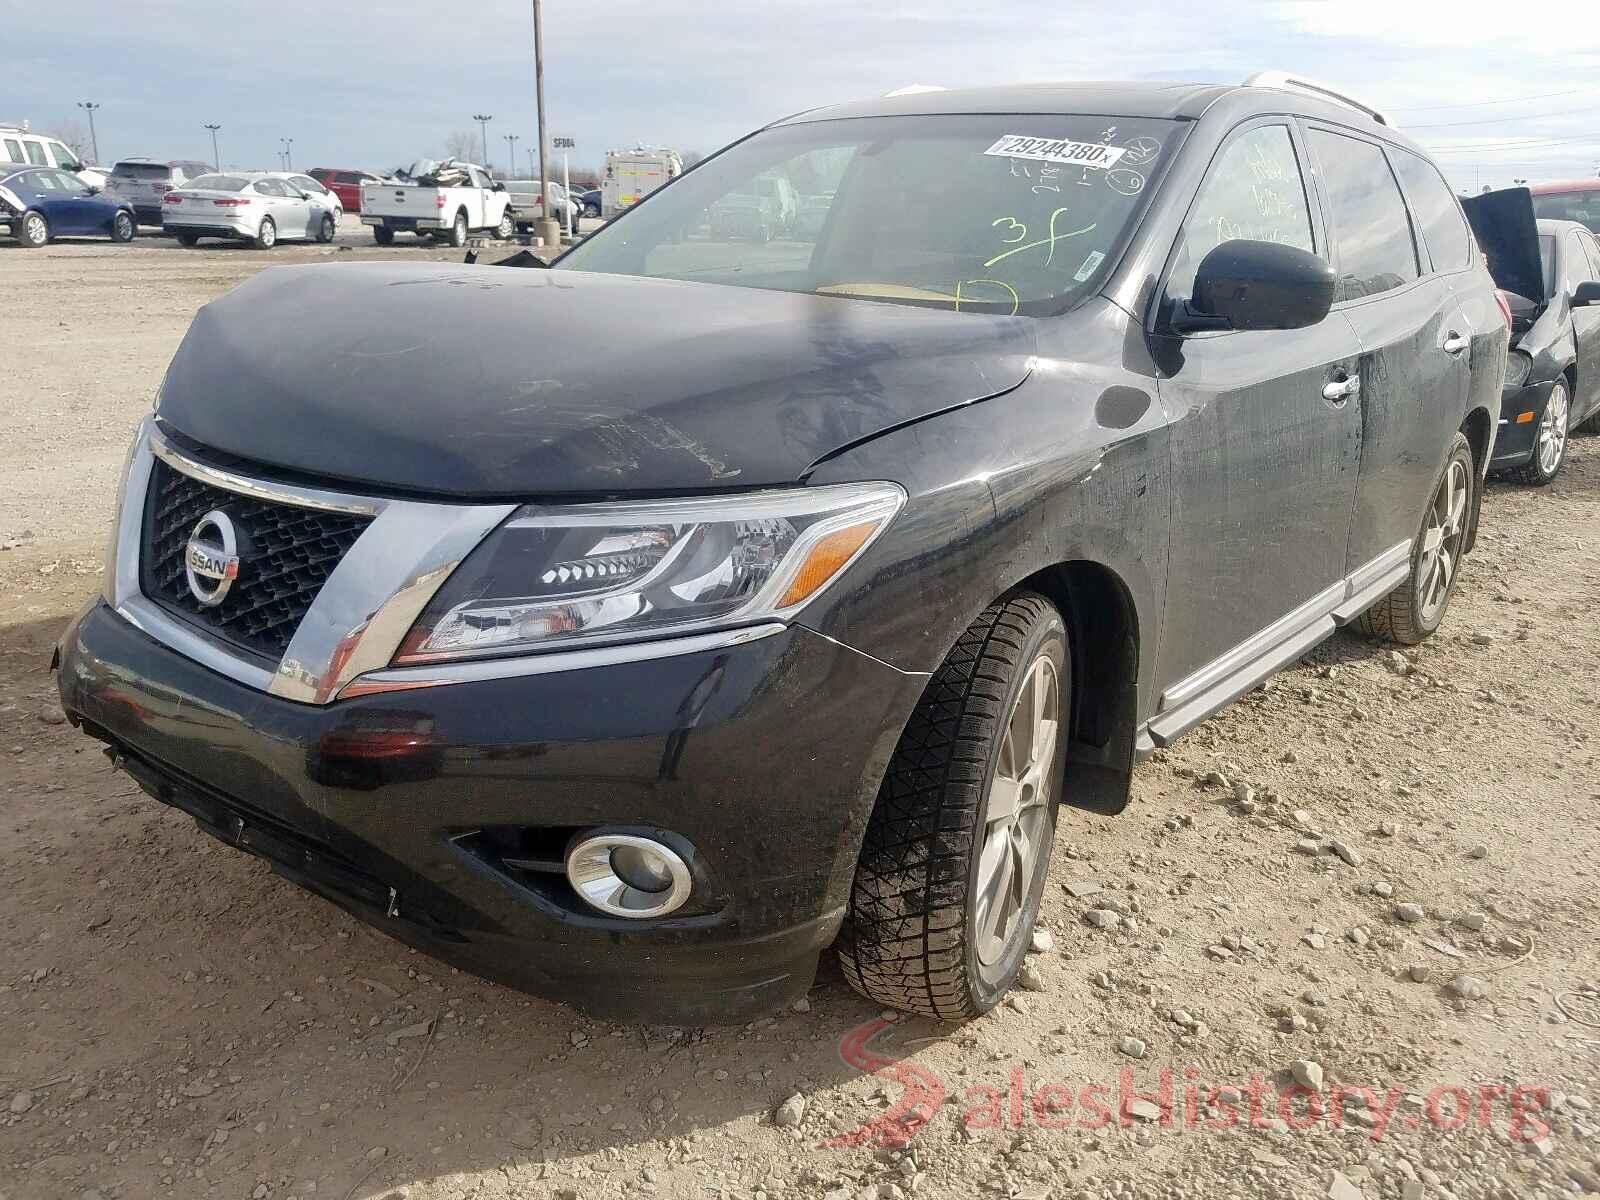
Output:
(782, 601)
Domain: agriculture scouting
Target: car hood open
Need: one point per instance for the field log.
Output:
(478, 382)
(1507, 229)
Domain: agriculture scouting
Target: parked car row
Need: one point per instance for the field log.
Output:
(789, 595)
(259, 207)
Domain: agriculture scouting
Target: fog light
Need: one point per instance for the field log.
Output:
(623, 875)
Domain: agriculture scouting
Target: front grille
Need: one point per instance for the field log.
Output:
(286, 555)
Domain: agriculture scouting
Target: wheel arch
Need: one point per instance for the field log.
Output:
(1104, 637)
(1479, 430)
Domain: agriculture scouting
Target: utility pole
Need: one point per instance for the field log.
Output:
(216, 155)
(548, 228)
(511, 152)
(89, 106)
(288, 153)
(483, 120)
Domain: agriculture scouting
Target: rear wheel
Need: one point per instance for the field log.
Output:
(267, 235)
(188, 239)
(1550, 445)
(34, 231)
(1415, 608)
(383, 235)
(122, 227)
(458, 231)
(951, 872)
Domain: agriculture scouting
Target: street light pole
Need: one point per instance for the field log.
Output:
(511, 152)
(288, 153)
(89, 106)
(216, 155)
(549, 229)
(483, 120)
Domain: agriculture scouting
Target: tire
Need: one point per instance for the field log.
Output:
(188, 239)
(1403, 616)
(383, 235)
(327, 229)
(918, 934)
(458, 231)
(266, 236)
(33, 230)
(507, 229)
(591, 210)
(1550, 440)
(123, 227)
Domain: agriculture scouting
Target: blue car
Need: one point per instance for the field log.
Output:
(40, 203)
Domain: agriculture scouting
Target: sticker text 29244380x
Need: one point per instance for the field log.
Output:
(1057, 150)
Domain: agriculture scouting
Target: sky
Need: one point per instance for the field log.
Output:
(1497, 98)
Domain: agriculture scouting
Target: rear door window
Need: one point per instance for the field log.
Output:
(1371, 229)
(1254, 191)
(14, 151)
(36, 154)
(1438, 212)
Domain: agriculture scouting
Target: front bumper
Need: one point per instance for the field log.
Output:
(765, 757)
(1518, 430)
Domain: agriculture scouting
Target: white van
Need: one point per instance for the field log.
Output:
(19, 145)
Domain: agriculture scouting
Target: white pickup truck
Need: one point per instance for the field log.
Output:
(448, 199)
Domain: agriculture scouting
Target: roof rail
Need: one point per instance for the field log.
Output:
(1287, 82)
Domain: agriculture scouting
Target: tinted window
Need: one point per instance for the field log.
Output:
(219, 183)
(1438, 213)
(347, 177)
(1583, 207)
(125, 170)
(268, 187)
(1254, 191)
(27, 181)
(306, 184)
(14, 151)
(62, 156)
(46, 181)
(1370, 227)
(36, 154)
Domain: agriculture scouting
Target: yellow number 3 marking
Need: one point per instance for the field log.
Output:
(1011, 223)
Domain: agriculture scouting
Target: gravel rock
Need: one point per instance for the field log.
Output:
(1133, 1047)
(1307, 1073)
(1468, 987)
(1409, 913)
(1472, 920)
(1102, 918)
(1043, 941)
(1345, 851)
(1419, 972)
(22, 1102)
(1030, 979)
(788, 1114)
(1478, 851)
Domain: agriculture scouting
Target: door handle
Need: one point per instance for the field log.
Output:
(1455, 343)
(1337, 391)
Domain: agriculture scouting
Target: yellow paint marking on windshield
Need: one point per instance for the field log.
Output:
(1016, 300)
(1010, 223)
(1048, 241)
(882, 291)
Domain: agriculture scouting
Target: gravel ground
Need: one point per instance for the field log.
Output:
(1378, 871)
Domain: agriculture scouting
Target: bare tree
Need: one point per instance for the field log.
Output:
(74, 134)
(462, 144)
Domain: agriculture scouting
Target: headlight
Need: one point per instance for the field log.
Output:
(552, 576)
(1518, 365)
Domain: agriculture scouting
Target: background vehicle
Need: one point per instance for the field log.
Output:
(1550, 271)
(526, 207)
(26, 148)
(313, 188)
(260, 207)
(1576, 201)
(591, 202)
(768, 208)
(38, 204)
(1020, 498)
(345, 184)
(430, 202)
(631, 175)
(144, 183)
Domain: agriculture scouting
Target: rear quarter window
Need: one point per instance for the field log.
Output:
(1372, 231)
(13, 150)
(1438, 212)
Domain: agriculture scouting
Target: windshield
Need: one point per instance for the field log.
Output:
(217, 183)
(1583, 207)
(995, 214)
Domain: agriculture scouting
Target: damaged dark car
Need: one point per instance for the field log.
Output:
(794, 598)
(1550, 271)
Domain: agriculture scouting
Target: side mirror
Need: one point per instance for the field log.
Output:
(1588, 293)
(305, 195)
(1248, 285)
(92, 188)
(497, 186)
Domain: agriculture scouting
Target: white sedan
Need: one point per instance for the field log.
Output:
(259, 207)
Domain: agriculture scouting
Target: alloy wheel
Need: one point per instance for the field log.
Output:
(1441, 542)
(1552, 442)
(1016, 819)
(35, 229)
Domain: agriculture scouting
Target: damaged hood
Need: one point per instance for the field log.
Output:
(1508, 231)
(479, 382)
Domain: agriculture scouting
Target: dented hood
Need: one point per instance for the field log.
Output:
(474, 381)
(1508, 231)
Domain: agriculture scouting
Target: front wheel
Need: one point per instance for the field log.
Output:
(122, 227)
(1416, 607)
(188, 239)
(507, 229)
(327, 228)
(267, 235)
(1550, 444)
(35, 230)
(953, 865)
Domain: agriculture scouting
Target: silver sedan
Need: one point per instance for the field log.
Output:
(260, 207)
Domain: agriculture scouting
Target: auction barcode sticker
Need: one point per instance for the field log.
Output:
(1056, 150)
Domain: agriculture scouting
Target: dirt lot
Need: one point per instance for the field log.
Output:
(176, 1021)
